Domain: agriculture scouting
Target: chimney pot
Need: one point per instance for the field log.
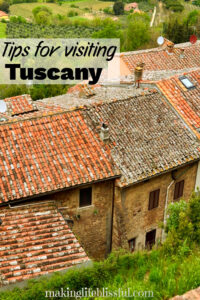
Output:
(170, 47)
(138, 72)
(104, 134)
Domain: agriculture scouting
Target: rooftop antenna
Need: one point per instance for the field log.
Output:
(3, 106)
(160, 40)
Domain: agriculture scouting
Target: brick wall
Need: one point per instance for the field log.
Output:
(93, 229)
(132, 217)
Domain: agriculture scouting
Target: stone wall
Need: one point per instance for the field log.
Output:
(92, 224)
(132, 219)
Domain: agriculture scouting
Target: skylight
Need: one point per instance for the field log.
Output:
(186, 82)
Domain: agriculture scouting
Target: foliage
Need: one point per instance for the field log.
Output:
(164, 273)
(177, 30)
(53, 31)
(183, 225)
(136, 33)
(5, 5)
(174, 5)
(72, 13)
(36, 92)
(118, 8)
(15, 19)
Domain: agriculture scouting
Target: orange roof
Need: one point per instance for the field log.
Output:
(20, 104)
(35, 240)
(50, 153)
(159, 60)
(3, 14)
(191, 295)
(185, 101)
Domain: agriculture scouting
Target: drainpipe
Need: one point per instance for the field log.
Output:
(165, 211)
(112, 216)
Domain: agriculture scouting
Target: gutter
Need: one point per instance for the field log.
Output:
(21, 200)
(160, 173)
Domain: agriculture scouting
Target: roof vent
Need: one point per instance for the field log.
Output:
(104, 134)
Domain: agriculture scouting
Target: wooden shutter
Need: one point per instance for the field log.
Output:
(154, 199)
(178, 191)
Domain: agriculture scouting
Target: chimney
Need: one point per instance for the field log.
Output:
(138, 73)
(104, 134)
(170, 47)
(182, 53)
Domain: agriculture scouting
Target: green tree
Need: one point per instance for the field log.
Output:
(5, 5)
(118, 8)
(136, 34)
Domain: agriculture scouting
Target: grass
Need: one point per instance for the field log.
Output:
(25, 9)
(2, 30)
(161, 274)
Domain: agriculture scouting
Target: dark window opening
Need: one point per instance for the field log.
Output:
(178, 191)
(154, 199)
(150, 239)
(186, 82)
(85, 197)
(132, 244)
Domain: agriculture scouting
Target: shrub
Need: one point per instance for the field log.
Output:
(118, 8)
(72, 13)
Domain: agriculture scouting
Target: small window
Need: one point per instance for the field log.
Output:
(132, 244)
(150, 239)
(85, 197)
(186, 82)
(178, 191)
(154, 199)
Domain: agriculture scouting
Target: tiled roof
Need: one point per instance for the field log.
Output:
(101, 94)
(191, 295)
(46, 154)
(35, 240)
(185, 101)
(20, 104)
(23, 107)
(3, 14)
(146, 136)
(158, 59)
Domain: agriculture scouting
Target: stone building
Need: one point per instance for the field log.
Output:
(105, 172)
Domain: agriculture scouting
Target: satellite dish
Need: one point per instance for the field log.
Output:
(3, 106)
(193, 39)
(160, 40)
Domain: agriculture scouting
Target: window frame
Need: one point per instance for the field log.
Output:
(129, 243)
(185, 85)
(88, 205)
(155, 194)
(180, 187)
(150, 245)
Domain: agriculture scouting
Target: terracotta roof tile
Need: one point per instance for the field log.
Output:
(191, 295)
(158, 60)
(49, 153)
(185, 101)
(35, 240)
(146, 136)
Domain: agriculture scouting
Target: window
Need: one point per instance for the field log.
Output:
(150, 239)
(132, 244)
(154, 199)
(85, 197)
(178, 191)
(186, 82)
